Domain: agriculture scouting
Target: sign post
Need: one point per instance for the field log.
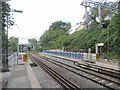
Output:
(90, 54)
(97, 54)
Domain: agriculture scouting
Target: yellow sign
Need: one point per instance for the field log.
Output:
(97, 56)
(25, 58)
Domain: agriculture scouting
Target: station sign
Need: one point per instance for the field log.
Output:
(25, 58)
(100, 44)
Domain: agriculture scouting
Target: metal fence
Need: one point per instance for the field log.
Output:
(77, 55)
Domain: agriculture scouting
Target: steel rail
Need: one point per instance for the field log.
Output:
(61, 79)
(90, 73)
(101, 69)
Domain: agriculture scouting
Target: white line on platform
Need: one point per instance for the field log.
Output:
(33, 80)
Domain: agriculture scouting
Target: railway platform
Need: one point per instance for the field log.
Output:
(102, 63)
(108, 64)
(20, 75)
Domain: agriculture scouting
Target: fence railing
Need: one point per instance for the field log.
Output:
(77, 55)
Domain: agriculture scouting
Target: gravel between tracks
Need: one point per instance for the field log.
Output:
(79, 80)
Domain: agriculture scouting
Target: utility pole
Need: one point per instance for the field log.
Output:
(99, 4)
(6, 68)
(99, 13)
(86, 17)
(0, 37)
(108, 51)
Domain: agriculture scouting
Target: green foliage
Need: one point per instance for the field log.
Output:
(81, 40)
(33, 44)
(4, 42)
(54, 37)
(13, 42)
(6, 22)
(59, 25)
(57, 37)
(32, 41)
(5, 14)
(37, 47)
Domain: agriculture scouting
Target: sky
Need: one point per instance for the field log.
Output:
(38, 15)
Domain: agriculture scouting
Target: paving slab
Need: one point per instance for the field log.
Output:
(20, 75)
(19, 78)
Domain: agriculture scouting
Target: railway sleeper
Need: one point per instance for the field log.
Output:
(91, 76)
(101, 81)
(98, 79)
(112, 85)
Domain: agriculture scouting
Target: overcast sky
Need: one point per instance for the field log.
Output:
(38, 15)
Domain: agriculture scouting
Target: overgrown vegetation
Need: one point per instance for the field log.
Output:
(13, 44)
(57, 38)
(6, 21)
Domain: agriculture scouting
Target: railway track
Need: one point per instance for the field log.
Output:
(100, 69)
(109, 82)
(67, 84)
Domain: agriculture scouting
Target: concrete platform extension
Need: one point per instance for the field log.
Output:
(103, 63)
(21, 76)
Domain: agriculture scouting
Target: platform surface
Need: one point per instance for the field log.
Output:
(103, 63)
(21, 75)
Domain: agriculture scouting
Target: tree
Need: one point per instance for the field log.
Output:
(6, 22)
(53, 38)
(13, 44)
(114, 27)
(59, 25)
(56, 38)
(32, 42)
(5, 15)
